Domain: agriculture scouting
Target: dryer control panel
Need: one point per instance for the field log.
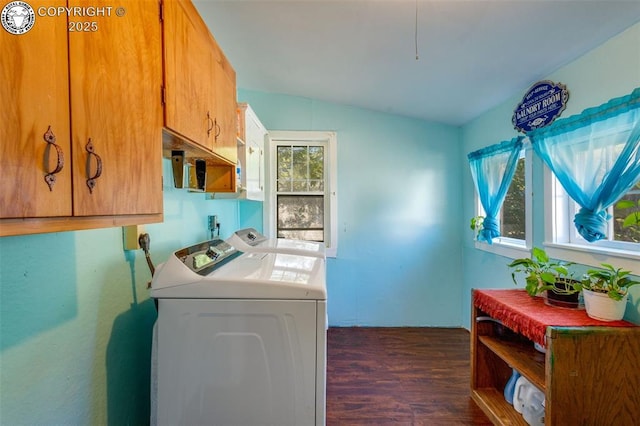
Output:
(250, 236)
(205, 257)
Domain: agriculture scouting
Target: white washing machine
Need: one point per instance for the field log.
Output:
(241, 338)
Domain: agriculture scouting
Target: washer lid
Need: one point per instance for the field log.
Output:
(249, 276)
(250, 240)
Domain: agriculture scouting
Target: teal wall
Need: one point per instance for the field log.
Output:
(399, 252)
(610, 71)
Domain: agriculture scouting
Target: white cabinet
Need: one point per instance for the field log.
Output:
(251, 154)
(251, 163)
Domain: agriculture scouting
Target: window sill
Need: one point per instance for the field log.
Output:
(505, 248)
(595, 256)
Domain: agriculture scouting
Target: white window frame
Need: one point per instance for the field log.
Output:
(330, 142)
(512, 247)
(562, 240)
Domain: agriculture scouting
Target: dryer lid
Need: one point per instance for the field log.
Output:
(250, 240)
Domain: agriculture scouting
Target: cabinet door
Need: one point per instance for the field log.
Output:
(34, 90)
(189, 76)
(225, 99)
(254, 167)
(116, 80)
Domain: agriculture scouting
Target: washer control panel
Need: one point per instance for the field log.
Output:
(203, 258)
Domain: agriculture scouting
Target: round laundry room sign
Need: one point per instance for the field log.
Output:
(542, 104)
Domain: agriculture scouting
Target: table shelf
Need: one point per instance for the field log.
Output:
(568, 373)
(524, 358)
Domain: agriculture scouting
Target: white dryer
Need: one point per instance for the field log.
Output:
(241, 337)
(250, 240)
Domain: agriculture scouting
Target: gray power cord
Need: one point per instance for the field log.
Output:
(145, 241)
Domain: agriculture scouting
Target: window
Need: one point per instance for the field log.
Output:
(515, 214)
(302, 187)
(627, 207)
(621, 247)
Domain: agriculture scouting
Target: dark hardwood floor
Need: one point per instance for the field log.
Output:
(399, 376)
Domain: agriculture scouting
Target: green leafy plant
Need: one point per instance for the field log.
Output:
(633, 218)
(541, 274)
(627, 216)
(476, 225)
(610, 280)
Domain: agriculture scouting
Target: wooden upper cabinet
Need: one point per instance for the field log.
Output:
(199, 83)
(226, 125)
(189, 81)
(101, 83)
(34, 90)
(116, 82)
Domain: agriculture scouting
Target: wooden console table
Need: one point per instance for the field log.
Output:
(590, 373)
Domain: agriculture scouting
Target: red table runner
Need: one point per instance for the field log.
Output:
(530, 316)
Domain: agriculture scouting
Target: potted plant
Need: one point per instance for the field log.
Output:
(543, 274)
(476, 226)
(605, 292)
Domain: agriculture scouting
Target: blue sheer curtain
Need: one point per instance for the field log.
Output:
(492, 169)
(596, 158)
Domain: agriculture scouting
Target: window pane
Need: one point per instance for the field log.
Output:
(300, 186)
(284, 158)
(629, 234)
(512, 220)
(300, 163)
(306, 235)
(300, 168)
(301, 216)
(284, 186)
(316, 163)
(316, 185)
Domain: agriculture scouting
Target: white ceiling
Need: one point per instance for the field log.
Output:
(472, 55)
